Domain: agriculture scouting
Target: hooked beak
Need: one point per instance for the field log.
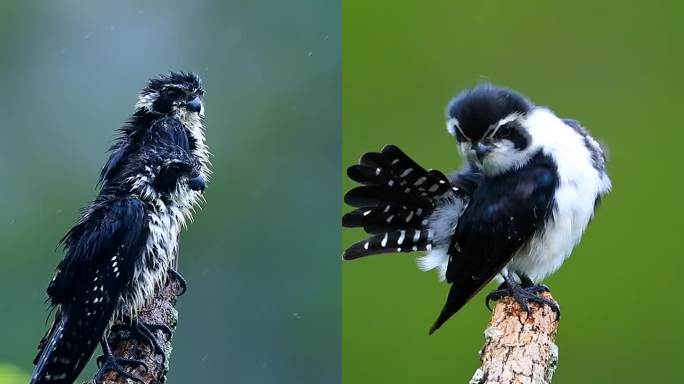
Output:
(198, 183)
(481, 150)
(194, 105)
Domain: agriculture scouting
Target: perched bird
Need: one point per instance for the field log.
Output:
(125, 245)
(530, 186)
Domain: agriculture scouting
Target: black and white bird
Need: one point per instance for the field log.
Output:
(530, 187)
(125, 245)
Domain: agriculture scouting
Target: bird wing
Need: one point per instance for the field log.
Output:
(112, 231)
(101, 252)
(503, 214)
(394, 202)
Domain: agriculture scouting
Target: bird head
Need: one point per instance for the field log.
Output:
(488, 123)
(165, 172)
(174, 93)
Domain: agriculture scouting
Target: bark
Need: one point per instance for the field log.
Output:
(519, 349)
(128, 345)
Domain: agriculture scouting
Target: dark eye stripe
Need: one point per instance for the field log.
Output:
(460, 135)
(503, 131)
(173, 91)
(514, 134)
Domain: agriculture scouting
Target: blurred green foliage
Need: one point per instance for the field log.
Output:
(262, 257)
(616, 67)
(9, 374)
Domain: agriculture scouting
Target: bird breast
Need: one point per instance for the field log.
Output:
(159, 254)
(580, 185)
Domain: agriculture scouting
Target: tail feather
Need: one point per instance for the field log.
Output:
(459, 295)
(65, 351)
(394, 201)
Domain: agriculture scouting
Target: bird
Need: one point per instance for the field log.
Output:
(530, 185)
(125, 245)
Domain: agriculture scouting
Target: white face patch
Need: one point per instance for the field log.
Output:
(145, 101)
(466, 149)
(452, 125)
(504, 157)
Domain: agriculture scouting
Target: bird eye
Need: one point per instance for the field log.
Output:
(173, 92)
(458, 134)
(503, 131)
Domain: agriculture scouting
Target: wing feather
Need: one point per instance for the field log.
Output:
(502, 216)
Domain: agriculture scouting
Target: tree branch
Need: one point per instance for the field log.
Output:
(129, 345)
(519, 349)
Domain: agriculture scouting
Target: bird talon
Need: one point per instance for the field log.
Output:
(526, 308)
(108, 362)
(487, 302)
(497, 295)
(182, 284)
(524, 295)
(146, 332)
(159, 327)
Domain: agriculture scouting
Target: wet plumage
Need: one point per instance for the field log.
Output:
(126, 241)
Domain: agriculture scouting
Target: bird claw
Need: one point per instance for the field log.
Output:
(108, 362)
(182, 284)
(151, 328)
(121, 361)
(146, 331)
(497, 294)
(539, 288)
(524, 296)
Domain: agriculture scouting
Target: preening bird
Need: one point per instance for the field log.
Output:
(125, 245)
(530, 187)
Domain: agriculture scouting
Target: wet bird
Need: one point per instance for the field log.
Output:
(124, 247)
(530, 186)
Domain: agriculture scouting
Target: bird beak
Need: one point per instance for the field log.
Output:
(198, 184)
(481, 150)
(194, 105)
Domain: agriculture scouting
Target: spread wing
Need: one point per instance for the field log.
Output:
(394, 201)
(502, 216)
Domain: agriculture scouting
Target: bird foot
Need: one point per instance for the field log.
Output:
(108, 362)
(147, 332)
(524, 296)
(182, 284)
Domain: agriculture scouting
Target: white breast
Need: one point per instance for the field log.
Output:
(165, 224)
(158, 257)
(579, 186)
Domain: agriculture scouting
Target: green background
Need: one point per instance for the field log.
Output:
(616, 67)
(262, 256)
